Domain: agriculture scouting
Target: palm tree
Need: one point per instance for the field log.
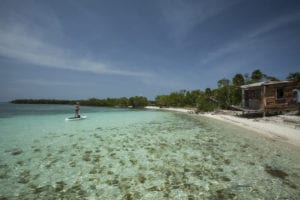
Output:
(238, 80)
(257, 75)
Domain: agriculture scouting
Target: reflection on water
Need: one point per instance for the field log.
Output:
(147, 155)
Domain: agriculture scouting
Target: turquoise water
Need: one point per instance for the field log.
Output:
(138, 154)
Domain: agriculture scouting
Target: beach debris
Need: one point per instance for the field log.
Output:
(275, 172)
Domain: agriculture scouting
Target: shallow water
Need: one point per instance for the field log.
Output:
(138, 154)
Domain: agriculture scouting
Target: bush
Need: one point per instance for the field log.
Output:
(138, 101)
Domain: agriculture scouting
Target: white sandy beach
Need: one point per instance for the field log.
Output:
(283, 128)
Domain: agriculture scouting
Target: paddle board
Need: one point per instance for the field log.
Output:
(76, 118)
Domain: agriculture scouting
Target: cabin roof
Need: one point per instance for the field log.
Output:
(259, 84)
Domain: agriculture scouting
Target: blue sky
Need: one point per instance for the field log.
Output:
(95, 48)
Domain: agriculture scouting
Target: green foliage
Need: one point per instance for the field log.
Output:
(204, 103)
(162, 100)
(208, 92)
(294, 76)
(221, 95)
(257, 75)
(109, 102)
(122, 102)
(238, 80)
(193, 98)
(138, 101)
(235, 95)
(223, 82)
(177, 98)
(183, 98)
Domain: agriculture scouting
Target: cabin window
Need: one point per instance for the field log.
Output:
(280, 93)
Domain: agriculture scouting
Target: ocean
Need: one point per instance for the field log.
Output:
(138, 154)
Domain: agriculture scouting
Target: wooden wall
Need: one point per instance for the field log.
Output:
(286, 103)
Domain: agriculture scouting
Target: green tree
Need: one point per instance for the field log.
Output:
(162, 100)
(223, 92)
(191, 98)
(194, 95)
(204, 103)
(138, 101)
(221, 95)
(257, 75)
(223, 82)
(188, 99)
(294, 76)
(235, 95)
(177, 99)
(122, 102)
(238, 80)
(208, 92)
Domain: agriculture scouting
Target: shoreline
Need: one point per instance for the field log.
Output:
(279, 128)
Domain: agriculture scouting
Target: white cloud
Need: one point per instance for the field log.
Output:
(44, 82)
(274, 24)
(183, 16)
(250, 37)
(19, 44)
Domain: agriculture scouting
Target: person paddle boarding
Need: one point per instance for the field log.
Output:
(77, 109)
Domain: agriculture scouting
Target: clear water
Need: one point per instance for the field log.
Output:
(138, 154)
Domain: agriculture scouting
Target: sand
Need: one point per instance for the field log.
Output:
(284, 128)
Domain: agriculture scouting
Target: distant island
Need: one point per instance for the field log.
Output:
(135, 102)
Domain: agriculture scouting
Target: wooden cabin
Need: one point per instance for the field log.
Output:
(270, 97)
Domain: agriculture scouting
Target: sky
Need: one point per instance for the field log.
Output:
(121, 48)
